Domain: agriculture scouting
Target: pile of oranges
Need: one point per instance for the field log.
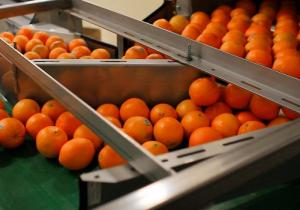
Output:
(211, 113)
(244, 31)
(40, 45)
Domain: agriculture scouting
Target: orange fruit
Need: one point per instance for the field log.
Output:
(81, 51)
(236, 97)
(108, 158)
(216, 109)
(100, 53)
(52, 39)
(204, 91)
(86, 57)
(278, 121)
(227, 9)
(36, 123)
(290, 113)
(139, 128)
(223, 19)
(246, 116)
(164, 24)
(285, 29)
(7, 35)
(114, 121)
(155, 147)
(57, 44)
(218, 12)
(32, 55)
(226, 124)
(288, 65)
(50, 140)
(169, 132)
(21, 41)
(236, 36)
(263, 108)
(178, 23)
(234, 48)
(251, 126)
(76, 43)
(8, 41)
(237, 24)
(24, 109)
(53, 109)
(193, 120)
(185, 107)
(41, 35)
(76, 154)
(216, 28)
(109, 110)
(283, 45)
(258, 44)
(256, 29)
(162, 110)
(204, 135)
(3, 114)
(12, 133)
(42, 50)
(200, 18)
(66, 56)
(68, 122)
(26, 32)
(262, 19)
(155, 56)
(238, 11)
(56, 52)
(285, 37)
(261, 57)
(249, 6)
(31, 43)
(260, 39)
(210, 39)
(269, 11)
(287, 52)
(136, 52)
(134, 107)
(84, 132)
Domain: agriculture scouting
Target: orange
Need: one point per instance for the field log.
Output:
(269, 11)
(290, 113)
(42, 50)
(7, 35)
(76, 154)
(86, 57)
(81, 51)
(76, 43)
(216, 28)
(236, 36)
(32, 55)
(262, 19)
(100, 53)
(216, 109)
(155, 56)
(223, 19)
(237, 24)
(285, 29)
(248, 5)
(41, 35)
(26, 32)
(66, 56)
(278, 121)
(178, 23)
(3, 114)
(31, 43)
(68, 122)
(12, 133)
(287, 52)
(50, 140)
(21, 41)
(134, 107)
(57, 44)
(285, 37)
(226, 124)
(164, 24)
(204, 135)
(169, 132)
(185, 107)
(52, 39)
(236, 97)
(56, 52)
(84, 132)
(136, 52)
(24, 109)
(234, 48)
(288, 65)
(193, 120)
(139, 128)
(204, 91)
(53, 109)
(114, 121)
(162, 110)
(36, 123)
(256, 29)
(251, 126)
(155, 147)
(261, 57)
(109, 110)
(108, 158)
(8, 41)
(283, 45)
(210, 39)
(227, 9)
(200, 18)
(246, 116)
(238, 11)
(258, 44)
(260, 38)
(263, 108)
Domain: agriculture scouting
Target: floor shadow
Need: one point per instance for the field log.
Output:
(27, 150)
(5, 158)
